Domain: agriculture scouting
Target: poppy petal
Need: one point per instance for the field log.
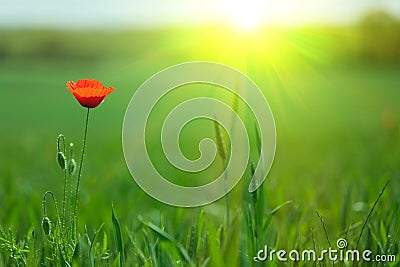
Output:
(89, 93)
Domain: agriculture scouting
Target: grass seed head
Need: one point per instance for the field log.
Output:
(220, 140)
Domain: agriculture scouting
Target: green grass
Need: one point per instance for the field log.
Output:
(338, 130)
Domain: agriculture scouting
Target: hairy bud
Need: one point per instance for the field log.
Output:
(61, 160)
(46, 225)
(71, 167)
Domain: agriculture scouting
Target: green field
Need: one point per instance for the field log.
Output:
(337, 116)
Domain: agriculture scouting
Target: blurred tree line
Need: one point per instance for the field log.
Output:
(379, 38)
(374, 39)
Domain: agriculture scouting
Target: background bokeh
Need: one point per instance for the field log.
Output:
(329, 69)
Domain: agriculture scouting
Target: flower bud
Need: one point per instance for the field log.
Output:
(71, 167)
(61, 160)
(46, 225)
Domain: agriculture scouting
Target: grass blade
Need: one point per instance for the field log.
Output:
(164, 235)
(324, 226)
(91, 254)
(370, 212)
(118, 236)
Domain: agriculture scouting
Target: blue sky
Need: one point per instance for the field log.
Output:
(154, 13)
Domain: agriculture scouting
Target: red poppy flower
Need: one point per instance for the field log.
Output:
(89, 93)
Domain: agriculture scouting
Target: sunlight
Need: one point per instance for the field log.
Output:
(246, 15)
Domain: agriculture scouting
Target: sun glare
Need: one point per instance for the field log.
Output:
(246, 15)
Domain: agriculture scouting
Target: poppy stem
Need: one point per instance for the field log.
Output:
(44, 203)
(64, 204)
(61, 148)
(80, 169)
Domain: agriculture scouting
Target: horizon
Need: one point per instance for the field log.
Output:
(155, 13)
